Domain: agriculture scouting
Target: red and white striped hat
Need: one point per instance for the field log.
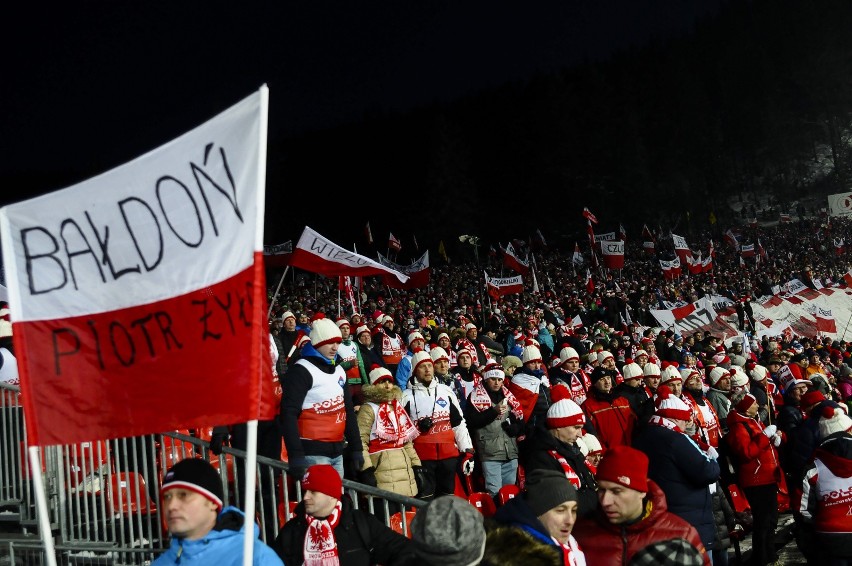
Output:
(563, 411)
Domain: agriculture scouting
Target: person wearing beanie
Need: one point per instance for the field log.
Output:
(350, 360)
(633, 512)
(317, 412)
(287, 335)
(651, 375)
(755, 449)
(441, 365)
(791, 413)
(473, 343)
(739, 380)
(443, 340)
(633, 389)
(389, 344)
(510, 364)
(416, 343)
(553, 445)
(448, 531)
(387, 433)
(568, 372)
(465, 376)
(718, 395)
(202, 532)
(494, 419)
(763, 390)
(671, 378)
(444, 443)
(367, 354)
(830, 472)
(546, 510)
(706, 421)
(673, 552)
(682, 469)
(327, 529)
(530, 386)
(610, 415)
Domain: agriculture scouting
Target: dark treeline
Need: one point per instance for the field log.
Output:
(756, 98)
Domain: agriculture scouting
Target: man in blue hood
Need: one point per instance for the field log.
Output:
(202, 532)
(316, 406)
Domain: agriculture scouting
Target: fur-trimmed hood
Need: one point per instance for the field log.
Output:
(379, 395)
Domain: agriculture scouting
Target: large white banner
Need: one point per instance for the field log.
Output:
(840, 204)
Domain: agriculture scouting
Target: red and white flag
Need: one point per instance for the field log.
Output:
(671, 269)
(138, 295)
(785, 219)
(622, 233)
(731, 238)
(681, 247)
(839, 246)
(418, 273)
(512, 261)
(500, 286)
(590, 230)
(761, 252)
(393, 243)
(588, 214)
(747, 250)
(368, 233)
(613, 254)
(278, 255)
(590, 283)
(707, 264)
(577, 258)
(825, 320)
(345, 286)
(318, 254)
(694, 265)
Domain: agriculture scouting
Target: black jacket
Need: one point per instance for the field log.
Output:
(361, 539)
(535, 455)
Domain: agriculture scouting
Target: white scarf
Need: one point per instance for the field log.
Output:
(320, 547)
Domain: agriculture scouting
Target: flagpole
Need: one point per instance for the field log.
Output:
(275, 296)
(41, 503)
(251, 485)
(338, 299)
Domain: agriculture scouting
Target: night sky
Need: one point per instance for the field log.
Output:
(88, 86)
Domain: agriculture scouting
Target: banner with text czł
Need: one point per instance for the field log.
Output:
(137, 296)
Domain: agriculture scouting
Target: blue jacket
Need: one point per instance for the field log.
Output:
(403, 370)
(684, 473)
(222, 546)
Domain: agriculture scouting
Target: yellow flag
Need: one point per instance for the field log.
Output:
(712, 218)
(442, 251)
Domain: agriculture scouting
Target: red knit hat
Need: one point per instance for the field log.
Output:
(812, 398)
(324, 479)
(625, 466)
(745, 403)
(563, 411)
(671, 407)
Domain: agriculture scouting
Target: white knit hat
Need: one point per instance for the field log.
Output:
(738, 377)
(286, 315)
(563, 411)
(632, 371)
(604, 354)
(651, 369)
(324, 331)
(361, 329)
(670, 374)
(419, 358)
(833, 419)
(379, 373)
(759, 373)
(568, 353)
(590, 444)
(640, 353)
(686, 373)
(470, 326)
(341, 322)
(531, 354)
(443, 335)
(415, 336)
(438, 353)
(494, 373)
(718, 373)
(670, 406)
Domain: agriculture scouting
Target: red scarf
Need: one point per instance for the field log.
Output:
(664, 422)
(394, 425)
(481, 401)
(566, 467)
(320, 547)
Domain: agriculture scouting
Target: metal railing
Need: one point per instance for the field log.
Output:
(103, 495)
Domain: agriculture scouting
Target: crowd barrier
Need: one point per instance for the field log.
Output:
(103, 496)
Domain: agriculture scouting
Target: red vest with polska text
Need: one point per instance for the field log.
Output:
(323, 415)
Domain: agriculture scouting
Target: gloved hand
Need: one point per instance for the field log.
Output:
(297, 467)
(467, 463)
(218, 440)
(357, 459)
(712, 453)
(368, 477)
(776, 440)
(770, 431)
(425, 482)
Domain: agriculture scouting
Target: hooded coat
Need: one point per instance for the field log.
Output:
(393, 467)
(826, 494)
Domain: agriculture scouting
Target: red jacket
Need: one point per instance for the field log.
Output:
(605, 543)
(757, 458)
(612, 418)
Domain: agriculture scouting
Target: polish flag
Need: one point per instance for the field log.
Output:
(588, 214)
(418, 273)
(577, 258)
(138, 296)
(590, 283)
(394, 243)
(512, 261)
(613, 254)
(825, 320)
(500, 286)
(681, 247)
(318, 254)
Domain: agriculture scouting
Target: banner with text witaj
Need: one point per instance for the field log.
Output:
(137, 295)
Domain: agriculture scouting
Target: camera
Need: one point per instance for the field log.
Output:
(424, 424)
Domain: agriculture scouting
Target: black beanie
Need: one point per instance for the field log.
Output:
(601, 372)
(546, 489)
(195, 474)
